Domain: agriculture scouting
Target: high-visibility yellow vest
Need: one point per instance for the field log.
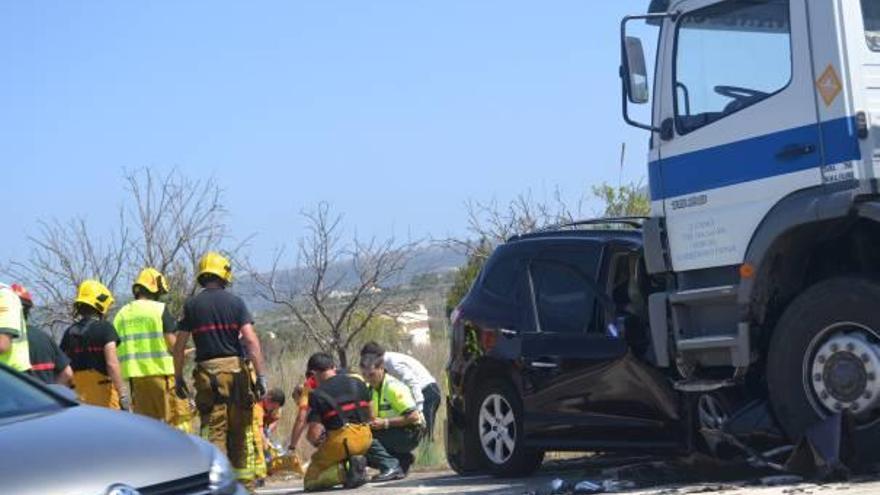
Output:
(12, 319)
(142, 350)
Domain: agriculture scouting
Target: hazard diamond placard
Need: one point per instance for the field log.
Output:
(829, 85)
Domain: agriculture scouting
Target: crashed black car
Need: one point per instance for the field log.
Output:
(550, 351)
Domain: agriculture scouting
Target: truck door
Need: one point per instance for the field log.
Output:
(859, 25)
(740, 119)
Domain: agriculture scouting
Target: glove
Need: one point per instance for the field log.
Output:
(180, 388)
(262, 386)
(124, 403)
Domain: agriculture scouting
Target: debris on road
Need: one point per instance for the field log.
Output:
(782, 479)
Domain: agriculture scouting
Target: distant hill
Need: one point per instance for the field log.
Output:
(427, 260)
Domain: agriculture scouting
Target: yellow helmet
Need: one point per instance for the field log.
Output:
(95, 294)
(216, 264)
(152, 281)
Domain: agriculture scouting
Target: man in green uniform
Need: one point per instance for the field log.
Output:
(397, 425)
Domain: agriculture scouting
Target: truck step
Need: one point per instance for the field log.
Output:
(705, 343)
(705, 295)
(703, 385)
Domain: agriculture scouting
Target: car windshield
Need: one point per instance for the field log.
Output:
(18, 397)
(871, 14)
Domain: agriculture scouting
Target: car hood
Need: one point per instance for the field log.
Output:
(85, 450)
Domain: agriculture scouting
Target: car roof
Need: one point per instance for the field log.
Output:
(593, 234)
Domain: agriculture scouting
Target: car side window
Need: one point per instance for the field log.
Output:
(564, 292)
(501, 275)
(729, 56)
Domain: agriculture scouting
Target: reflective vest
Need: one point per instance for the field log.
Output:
(142, 349)
(392, 399)
(12, 320)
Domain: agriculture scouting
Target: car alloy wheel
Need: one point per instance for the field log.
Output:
(497, 428)
(711, 412)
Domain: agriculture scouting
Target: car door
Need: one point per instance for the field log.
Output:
(581, 386)
(741, 124)
(567, 345)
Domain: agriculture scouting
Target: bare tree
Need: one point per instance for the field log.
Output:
(176, 219)
(491, 223)
(337, 288)
(168, 221)
(63, 255)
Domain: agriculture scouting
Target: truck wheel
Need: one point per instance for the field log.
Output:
(824, 358)
(496, 423)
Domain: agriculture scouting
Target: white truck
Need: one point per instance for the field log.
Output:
(765, 224)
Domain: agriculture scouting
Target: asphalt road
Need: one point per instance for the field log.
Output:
(652, 477)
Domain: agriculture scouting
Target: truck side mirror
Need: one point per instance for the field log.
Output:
(635, 73)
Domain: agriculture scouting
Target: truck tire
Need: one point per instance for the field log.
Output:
(824, 357)
(496, 423)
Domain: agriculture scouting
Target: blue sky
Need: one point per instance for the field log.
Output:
(395, 112)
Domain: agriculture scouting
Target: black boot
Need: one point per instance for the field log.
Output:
(355, 472)
(406, 462)
(389, 475)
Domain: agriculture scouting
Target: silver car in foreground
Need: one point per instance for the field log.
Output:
(51, 444)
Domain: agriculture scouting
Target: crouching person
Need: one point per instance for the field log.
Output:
(338, 425)
(398, 424)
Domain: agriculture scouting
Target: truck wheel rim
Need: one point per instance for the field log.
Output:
(841, 370)
(497, 428)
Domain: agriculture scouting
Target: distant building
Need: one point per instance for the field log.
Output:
(414, 325)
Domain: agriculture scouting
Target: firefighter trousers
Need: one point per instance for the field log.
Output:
(327, 468)
(256, 447)
(95, 388)
(225, 400)
(153, 396)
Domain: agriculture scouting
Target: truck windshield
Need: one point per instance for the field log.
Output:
(871, 14)
(729, 56)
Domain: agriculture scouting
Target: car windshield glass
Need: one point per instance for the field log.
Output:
(871, 14)
(18, 397)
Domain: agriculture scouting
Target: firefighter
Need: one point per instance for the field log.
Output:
(338, 425)
(90, 343)
(398, 423)
(222, 328)
(146, 334)
(48, 363)
(13, 331)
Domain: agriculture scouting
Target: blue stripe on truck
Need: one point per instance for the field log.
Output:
(751, 159)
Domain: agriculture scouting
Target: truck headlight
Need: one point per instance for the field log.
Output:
(221, 476)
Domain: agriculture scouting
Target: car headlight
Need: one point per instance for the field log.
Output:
(221, 475)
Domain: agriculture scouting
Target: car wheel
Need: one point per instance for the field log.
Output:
(497, 425)
(824, 358)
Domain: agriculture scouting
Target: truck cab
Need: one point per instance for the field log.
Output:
(763, 177)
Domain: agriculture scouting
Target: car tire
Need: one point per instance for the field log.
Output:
(844, 306)
(496, 427)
